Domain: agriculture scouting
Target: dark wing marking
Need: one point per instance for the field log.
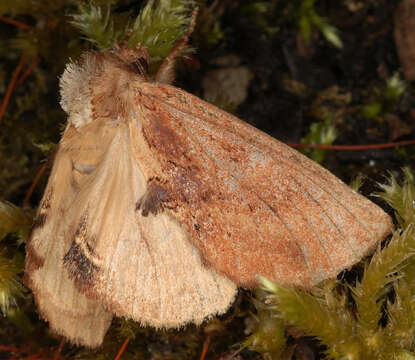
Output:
(252, 204)
(80, 260)
(154, 199)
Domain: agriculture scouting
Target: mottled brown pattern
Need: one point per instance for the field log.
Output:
(161, 138)
(153, 201)
(181, 170)
(109, 87)
(187, 187)
(253, 205)
(80, 268)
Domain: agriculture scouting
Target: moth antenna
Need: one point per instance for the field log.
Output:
(165, 73)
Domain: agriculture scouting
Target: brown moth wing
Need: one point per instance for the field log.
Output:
(252, 205)
(68, 311)
(141, 267)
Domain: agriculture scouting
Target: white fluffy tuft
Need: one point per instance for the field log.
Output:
(76, 93)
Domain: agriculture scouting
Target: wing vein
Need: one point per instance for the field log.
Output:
(290, 164)
(312, 229)
(336, 226)
(196, 141)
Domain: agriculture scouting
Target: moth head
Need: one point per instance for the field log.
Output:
(136, 58)
(95, 86)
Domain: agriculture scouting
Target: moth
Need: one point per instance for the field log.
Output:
(159, 205)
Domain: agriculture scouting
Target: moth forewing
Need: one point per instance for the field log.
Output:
(68, 311)
(252, 204)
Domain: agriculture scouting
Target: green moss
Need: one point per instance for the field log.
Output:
(97, 26)
(10, 286)
(320, 133)
(308, 18)
(401, 197)
(14, 220)
(385, 99)
(268, 334)
(157, 27)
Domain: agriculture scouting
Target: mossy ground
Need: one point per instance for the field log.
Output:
(302, 86)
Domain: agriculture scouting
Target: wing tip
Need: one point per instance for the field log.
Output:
(383, 228)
